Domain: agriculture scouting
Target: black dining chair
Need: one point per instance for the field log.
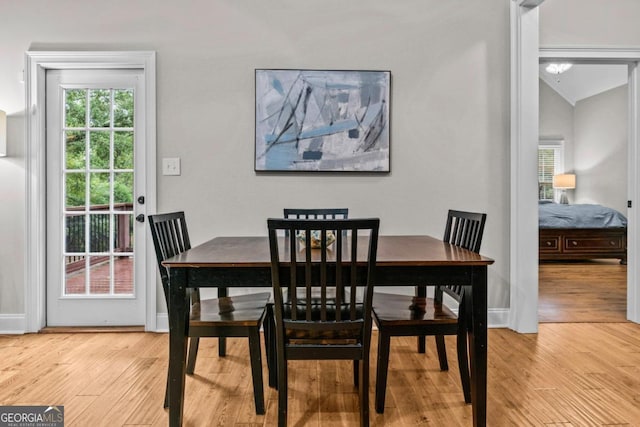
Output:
(299, 213)
(236, 316)
(323, 328)
(404, 315)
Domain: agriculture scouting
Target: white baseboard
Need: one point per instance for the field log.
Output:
(16, 323)
(496, 318)
(13, 324)
(162, 322)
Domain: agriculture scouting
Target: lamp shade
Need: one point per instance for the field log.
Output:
(564, 181)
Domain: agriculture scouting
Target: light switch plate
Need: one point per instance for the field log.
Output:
(171, 166)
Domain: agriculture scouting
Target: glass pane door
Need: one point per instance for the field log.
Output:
(96, 182)
(98, 177)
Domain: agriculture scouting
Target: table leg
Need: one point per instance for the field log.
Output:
(421, 292)
(222, 341)
(478, 344)
(178, 330)
(270, 346)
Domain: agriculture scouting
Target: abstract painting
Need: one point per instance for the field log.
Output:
(322, 121)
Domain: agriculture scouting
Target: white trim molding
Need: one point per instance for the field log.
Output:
(523, 313)
(12, 324)
(633, 189)
(3, 134)
(162, 322)
(36, 65)
(591, 54)
(496, 318)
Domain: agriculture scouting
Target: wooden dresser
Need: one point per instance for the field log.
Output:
(582, 243)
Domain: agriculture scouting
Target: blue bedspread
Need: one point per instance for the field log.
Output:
(554, 215)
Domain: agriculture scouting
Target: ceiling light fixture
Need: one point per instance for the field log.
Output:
(554, 68)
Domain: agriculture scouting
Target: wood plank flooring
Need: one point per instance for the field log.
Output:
(569, 374)
(585, 291)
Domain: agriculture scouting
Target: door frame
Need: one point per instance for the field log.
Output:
(525, 57)
(36, 65)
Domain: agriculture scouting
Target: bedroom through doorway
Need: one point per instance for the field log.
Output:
(584, 119)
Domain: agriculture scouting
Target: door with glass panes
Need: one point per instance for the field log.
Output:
(95, 190)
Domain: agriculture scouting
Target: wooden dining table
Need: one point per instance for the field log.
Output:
(244, 262)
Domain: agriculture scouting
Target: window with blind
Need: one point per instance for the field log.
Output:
(550, 163)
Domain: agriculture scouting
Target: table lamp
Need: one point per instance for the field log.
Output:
(564, 182)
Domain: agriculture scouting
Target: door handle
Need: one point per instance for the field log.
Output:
(140, 218)
(141, 200)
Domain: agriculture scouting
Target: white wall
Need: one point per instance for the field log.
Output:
(599, 23)
(589, 23)
(596, 139)
(601, 135)
(449, 110)
(12, 219)
(556, 119)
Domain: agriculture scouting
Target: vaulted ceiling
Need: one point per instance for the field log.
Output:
(584, 80)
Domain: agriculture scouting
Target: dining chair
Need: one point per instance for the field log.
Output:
(322, 328)
(299, 213)
(236, 316)
(405, 315)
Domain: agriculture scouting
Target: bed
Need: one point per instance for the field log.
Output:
(581, 232)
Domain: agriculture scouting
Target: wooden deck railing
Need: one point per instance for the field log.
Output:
(99, 233)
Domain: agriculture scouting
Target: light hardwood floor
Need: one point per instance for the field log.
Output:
(571, 374)
(585, 291)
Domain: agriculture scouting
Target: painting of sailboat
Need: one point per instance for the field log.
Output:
(319, 120)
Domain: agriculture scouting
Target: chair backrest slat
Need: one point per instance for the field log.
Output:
(323, 276)
(293, 294)
(307, 279)
(339, 276)
(353, 282)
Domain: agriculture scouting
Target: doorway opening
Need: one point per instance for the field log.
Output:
(37, 64)
(583, 277)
